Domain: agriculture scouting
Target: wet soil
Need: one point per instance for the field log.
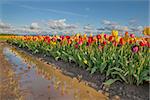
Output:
(9, 84)
(28, 78)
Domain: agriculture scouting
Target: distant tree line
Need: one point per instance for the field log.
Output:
(2, 34)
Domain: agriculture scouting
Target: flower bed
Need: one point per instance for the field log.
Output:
(124, 58)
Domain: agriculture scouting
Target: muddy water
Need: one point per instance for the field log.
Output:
(44, 82)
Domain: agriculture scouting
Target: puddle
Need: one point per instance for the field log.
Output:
(44, 82)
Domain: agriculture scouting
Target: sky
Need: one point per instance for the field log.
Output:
(77, 15)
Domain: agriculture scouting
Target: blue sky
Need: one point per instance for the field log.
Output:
(80, 12)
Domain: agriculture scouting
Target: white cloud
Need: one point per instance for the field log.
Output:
(34, 25)
(102, 29)
(60, 24)
(110, 24)
(106, 22)
(4, 25)
(44, 27)
(131, 27)
(89, 28)
(57, 24)
(140, 28)
(7, 28)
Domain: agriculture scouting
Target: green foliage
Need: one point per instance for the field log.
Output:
(119, 63)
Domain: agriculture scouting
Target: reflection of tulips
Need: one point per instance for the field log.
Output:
(100, 53)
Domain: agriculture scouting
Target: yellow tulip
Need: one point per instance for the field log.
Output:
(117, 39)
(146, 31)
(91, 35)
(78, 34)
(84, 35)
(85, 61)
(114, 33)
(53, 43)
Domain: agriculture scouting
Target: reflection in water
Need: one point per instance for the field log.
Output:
(9, 82)
(45, 82)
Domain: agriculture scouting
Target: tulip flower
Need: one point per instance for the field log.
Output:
(146, 31)
(85, 61)
(142, 44)
(90, 40)
(80, 42)
(91, 35)
(110, 38)
(132, 35)
(104, 42)
(122, 42)
(62, 37)
(135, 49)
(115, 43)
(99, 36)
(84, 35)
(105, 36)
(68, 42)
(53, 43)
(67, 37)
(76, 46)
(115, 33)
(126, 34)
(117, 39)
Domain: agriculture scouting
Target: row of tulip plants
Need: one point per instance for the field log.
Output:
(124, 58)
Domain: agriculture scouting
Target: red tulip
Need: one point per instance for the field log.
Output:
(110, 38)
(90, 40)
(130, 41)
(68, 42)
(105, 36)
(104, 42)
(99, 36)
(48, 40)
(54, 39)
(67, 37)
(115, 43)
(122, 42)
(142, 44)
